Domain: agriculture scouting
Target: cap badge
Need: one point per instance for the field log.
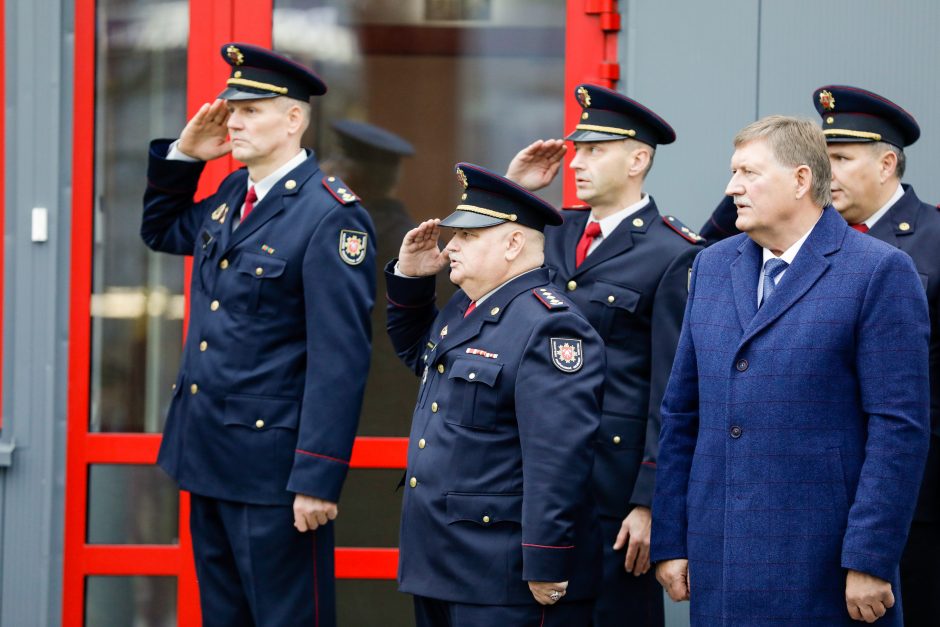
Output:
(566, 354)
(235, 55)
(462, 178)
(352, 246)
(583, 97)
(826, 100)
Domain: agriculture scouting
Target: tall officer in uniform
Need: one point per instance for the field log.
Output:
(498, 526)
(266, 404)
(627, 268)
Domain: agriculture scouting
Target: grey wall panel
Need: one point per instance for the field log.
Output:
(694, 63)
(891, 48)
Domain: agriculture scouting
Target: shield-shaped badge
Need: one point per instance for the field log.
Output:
(352, 246)
(566, 354)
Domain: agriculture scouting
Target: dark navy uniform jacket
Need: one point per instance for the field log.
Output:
(267, 400)
(914, 227)
(632, 288)
(500, 452)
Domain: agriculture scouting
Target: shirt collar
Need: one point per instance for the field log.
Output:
(498, 287)
(263, 186)
(611, 222)
(790, 254)
(898, 193)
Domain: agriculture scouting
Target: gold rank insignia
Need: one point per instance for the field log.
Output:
(352, 246)
(567, 354)
(219, 214)
(235, 55)
(462, 178)
(339, 190)
(826, 100)
(584, 98)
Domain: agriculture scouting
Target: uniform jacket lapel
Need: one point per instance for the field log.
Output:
(888, 229)
(572, 235)
(808, 266)
(621, 240)
(234, 201)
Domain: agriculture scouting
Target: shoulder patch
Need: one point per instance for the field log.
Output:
(548, 298)
(352, 246)
(567, 354)
(339, 190)
(688, 234)
(577, 207)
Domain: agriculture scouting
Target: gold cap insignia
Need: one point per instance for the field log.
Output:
(826, 100)
(584, 98)
(235, 55)
(462, 178)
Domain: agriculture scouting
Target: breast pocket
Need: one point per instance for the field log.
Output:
(256, 283)
(616, 303)
(475, 394)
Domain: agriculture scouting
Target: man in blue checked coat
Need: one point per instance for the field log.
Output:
(266, 404)
(796, 419)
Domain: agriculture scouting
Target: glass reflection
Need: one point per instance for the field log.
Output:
(137, 296)
(124, 601)
(130, 504)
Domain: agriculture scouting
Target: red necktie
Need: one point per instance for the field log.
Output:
(861, 227)
(472, 306)
(250, 201)
(592, 230)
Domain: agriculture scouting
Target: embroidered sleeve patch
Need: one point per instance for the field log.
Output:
(352, 246)
(566, 354)
(339, 190)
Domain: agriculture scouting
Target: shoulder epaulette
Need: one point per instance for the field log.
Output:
(577, 208)
(339, 190)
(673, 223)
(548, 298)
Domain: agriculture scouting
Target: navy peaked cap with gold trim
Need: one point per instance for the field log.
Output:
(489, 199)
(260, 73)
(850, 114)
(607, 115)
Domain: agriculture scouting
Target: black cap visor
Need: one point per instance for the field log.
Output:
(245, 93)
(469, 220)
(580, 135)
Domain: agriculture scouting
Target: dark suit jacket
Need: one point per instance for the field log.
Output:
(500, 452)
(277, 351)
(632, 289)
(794, 435)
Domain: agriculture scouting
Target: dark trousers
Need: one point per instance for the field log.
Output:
(920, 577)
(625, 599)
(255, 569)
(435, 613)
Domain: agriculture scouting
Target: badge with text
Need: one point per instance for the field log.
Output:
(566, 354)
(352, 246)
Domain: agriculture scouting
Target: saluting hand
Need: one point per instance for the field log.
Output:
(635, 534)
(311, 512)
(420, 253)
(206, 134)
(867, 597)
(536, 165)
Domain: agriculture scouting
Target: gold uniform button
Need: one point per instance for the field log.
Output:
(434, 407)
(193, 388)
(486, 519)
(638, 222)
(611, 298)
(830, 120)
(616, 439)
(494, 311)
(904, 226)
(413, 483)
(440, 368)
(572, 286)
(214, 305)
(203, 345)
(422, 443)
(259, 423)
(259, 271)
(290, 184)
(223, 264)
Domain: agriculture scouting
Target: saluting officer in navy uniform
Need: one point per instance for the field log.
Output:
(627, 267)
(266, 404)
(498, 525)
(866, 134)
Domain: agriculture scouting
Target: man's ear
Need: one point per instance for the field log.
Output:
(803, 179)
(888, 162)
(515, 243)
(639, 161)
(295, 120)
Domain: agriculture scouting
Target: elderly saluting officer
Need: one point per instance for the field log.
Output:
(498, 525)
(267, 401)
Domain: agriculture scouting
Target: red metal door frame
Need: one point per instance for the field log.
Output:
(591, 57)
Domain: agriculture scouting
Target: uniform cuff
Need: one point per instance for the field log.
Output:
(317, 475)
(547, 563)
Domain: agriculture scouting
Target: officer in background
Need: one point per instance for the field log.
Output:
(627, 268)
(369, 158)
(266, 404)
(866, 135)
(498, 524)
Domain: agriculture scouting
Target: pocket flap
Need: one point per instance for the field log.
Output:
(484, 509)
(475, 371)
(261, 412)
(620, 432)
(614, 295)
(260, 266)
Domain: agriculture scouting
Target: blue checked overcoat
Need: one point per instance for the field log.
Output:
(794, 435)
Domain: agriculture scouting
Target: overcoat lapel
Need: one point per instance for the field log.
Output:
(745, 271)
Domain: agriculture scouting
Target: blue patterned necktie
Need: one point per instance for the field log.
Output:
(772, 268)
